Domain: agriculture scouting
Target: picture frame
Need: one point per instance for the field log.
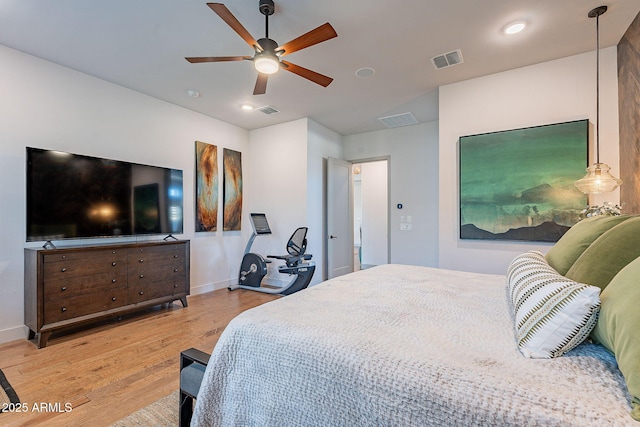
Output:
(207, 182)
(518, 184)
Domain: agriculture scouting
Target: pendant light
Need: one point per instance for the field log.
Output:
(598, 179)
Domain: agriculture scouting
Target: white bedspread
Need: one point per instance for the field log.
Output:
(400, 346)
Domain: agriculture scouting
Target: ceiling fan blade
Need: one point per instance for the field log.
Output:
(261, 84)
(318, 78)
(231, 21)
(322, 33)
(198, 59)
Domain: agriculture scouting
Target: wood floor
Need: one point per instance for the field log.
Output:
(117, 367)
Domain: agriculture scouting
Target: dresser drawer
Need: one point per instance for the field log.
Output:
(150, 272)
(157, 254)
(143, 292)
(61, 288)
(64, 269)
(56, 310)
(75, 255)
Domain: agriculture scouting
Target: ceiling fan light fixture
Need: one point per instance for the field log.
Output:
(266, 63)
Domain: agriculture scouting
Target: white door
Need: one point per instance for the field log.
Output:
(339, 218)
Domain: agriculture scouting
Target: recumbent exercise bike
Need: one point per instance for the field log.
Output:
(254, 267)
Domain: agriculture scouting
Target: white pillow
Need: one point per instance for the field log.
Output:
(553, 314)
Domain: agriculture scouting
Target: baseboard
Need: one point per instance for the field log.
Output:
(12, 334)
(209, 287)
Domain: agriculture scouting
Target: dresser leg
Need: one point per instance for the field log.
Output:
(183, 300)
(41, 339)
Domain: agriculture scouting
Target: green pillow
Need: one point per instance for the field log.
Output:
(608, 254)
(618, 327)
(575, 241)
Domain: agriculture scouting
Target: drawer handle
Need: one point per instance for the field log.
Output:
(142, 276)
(175, 256)
(114, 280)
(63, 269)
(175, 270)
(64, 309)
(64, 288)
(113, 252)
(113, 298)
(64, 257)
(141, 293)
(140, 261)
(175, 286)
(113, 263)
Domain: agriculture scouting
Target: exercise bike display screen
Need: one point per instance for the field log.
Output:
(260, 224)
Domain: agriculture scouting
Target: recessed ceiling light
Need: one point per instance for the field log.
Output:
(365, 72)
(193, 93)
(247, 107)
(515, 27)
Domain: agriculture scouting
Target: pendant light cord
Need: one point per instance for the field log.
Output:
(598, 89)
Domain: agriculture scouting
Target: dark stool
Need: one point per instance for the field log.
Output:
(193, 362)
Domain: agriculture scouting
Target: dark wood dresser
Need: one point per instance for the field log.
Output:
(69, 286)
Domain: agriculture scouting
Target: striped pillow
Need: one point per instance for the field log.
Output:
(553, 314)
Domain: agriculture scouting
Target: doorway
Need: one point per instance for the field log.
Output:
(371, 213)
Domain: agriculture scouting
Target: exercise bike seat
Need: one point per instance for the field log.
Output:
(296, 248)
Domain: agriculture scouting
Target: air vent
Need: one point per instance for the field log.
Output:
(404, 119)
(268, 109)
(447, 59)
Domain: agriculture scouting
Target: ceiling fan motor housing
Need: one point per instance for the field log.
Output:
(266, 7)
(267, 45)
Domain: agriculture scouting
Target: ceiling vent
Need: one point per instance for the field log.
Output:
(404, 119)
(447, 59)
(268, 109)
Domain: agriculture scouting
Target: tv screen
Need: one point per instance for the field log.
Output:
(73, 196)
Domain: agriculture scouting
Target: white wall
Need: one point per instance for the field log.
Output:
(277, 174)
(552, 92)
(413, 152)
(48, 106)
(322, 143)
(287, 174)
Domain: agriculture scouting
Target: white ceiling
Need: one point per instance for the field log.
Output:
(141, 44)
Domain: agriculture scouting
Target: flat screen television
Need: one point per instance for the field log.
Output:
(71, 196)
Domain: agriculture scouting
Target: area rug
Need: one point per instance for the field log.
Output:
(162, 412)
(7, 393)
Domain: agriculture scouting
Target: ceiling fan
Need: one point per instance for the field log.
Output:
(268, 54)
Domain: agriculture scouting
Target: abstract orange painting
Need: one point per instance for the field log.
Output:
(206, 187)
(232, 211)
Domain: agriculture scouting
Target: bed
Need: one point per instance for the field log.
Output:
(400, 345)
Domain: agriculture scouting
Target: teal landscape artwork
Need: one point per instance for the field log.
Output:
(518, 184)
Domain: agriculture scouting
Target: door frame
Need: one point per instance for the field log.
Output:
(378, 159)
